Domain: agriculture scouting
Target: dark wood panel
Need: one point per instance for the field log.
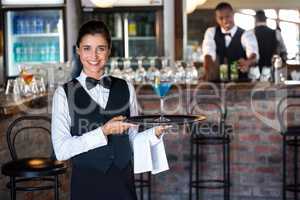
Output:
(178, 29)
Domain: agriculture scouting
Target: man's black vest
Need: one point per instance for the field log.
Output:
(267, 43)
(86, 115)
(233, 52)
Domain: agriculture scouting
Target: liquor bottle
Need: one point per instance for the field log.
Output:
(277, 69)
(43, 51)
(29, 51)
(56, 54)
(35, 51)
(24, 57)
(234, 72)
(17, 52)
(15, 24)
(47, 25)
(34, 24)
(54, 24)
(27, 26)
(20, 25)
(131, 26)
(52, 53)
(224, 70)
(39, 24)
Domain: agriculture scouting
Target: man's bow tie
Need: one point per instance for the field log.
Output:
(91, 82)
(228, 34)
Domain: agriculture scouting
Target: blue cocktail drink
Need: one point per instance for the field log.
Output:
(161, 88)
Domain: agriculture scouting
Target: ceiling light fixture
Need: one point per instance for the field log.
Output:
(103, 3)
(191, 5)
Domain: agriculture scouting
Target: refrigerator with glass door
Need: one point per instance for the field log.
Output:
(34, 32)
(136, 25)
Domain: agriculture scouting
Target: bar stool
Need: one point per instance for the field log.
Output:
(290, 140)
(31, 172)
(204, 138)
(142, 183)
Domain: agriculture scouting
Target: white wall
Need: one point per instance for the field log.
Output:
(73, 14)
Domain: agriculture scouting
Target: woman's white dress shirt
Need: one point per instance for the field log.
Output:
(148, 150)
(248, 41)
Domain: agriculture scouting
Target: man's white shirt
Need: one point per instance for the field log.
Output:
(248, 41)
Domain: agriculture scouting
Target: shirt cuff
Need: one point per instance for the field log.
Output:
(95, 138)
(154, 140)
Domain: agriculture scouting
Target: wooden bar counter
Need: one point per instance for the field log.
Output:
(255, 148)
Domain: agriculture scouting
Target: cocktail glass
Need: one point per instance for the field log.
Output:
(27, 77)
(161, 88)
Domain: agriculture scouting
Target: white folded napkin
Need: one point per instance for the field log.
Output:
(149, 158)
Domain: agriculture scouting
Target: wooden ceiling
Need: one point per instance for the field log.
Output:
(255, 4)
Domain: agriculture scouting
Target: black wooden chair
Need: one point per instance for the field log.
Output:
(37, 171)
(211, 132)
(290, 144)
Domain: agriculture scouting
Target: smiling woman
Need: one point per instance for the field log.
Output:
(89, 127)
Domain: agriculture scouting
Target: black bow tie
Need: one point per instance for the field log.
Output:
(91, 82)
(229, 34)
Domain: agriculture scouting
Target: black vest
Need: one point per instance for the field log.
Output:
(267, 43)
(233, 52)
(86, 115)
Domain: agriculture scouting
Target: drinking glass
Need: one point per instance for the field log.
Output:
(152, 71)
(12, 87)
(191, 74)
(140, 73)
(114, 68)
(161, 88)
(265, 74)
(179, 72)
(128, 73)
(27, 77)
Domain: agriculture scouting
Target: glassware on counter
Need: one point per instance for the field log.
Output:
(114, 68)
(143, 70)
(165, 62)
(13, 87)
(27, 78)
(266, 74)
(32, 80)
(179, 72)
(254, 73)
(152, 71)
(128, 73)
(191, 74)
(140, 73)
(166, 71)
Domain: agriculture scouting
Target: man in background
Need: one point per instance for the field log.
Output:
(227, 43)
(270, 41)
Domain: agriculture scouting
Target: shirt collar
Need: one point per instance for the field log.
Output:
(261, 24)
(231, 31)
(83, 75)
(81, 78)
